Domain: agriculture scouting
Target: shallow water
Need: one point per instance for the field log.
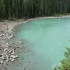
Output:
(45, 40)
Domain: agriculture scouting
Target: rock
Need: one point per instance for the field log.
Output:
(14, 56)
(19, 42)
(5, 50)
(10, 51)
(7, 57)
(0, 55)
(7, 44)
(1, 61)
(12, 59)
(23, 68)
(1, 50)
(3, 57)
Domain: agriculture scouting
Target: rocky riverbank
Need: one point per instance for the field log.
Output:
(7, 51)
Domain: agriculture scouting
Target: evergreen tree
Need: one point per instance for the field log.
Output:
(65, 63)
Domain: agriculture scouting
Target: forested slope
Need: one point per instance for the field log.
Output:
(32, 8)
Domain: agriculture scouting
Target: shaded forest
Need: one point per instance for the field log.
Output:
(32, 8)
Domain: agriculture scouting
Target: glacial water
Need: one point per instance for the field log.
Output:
(44, 42)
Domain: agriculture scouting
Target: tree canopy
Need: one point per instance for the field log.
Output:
(32, 8)
(65, 63)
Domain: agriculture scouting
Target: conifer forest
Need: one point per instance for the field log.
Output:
(32, 8)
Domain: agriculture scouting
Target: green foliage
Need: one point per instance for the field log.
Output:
(65, 63)
(32, 8)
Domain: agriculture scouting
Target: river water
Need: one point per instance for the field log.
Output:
(44, 42)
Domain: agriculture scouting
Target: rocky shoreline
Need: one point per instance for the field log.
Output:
(7, 31)
(7, 51)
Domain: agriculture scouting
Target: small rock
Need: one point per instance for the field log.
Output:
(0, 55)
(14, 56)
(1, 61)
(19, 42)
(12, 59)
(23, 69)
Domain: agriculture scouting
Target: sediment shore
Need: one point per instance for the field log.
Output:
(7, 51)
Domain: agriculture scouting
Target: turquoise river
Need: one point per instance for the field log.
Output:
(44, 42)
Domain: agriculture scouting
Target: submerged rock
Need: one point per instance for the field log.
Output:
(23, 68)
